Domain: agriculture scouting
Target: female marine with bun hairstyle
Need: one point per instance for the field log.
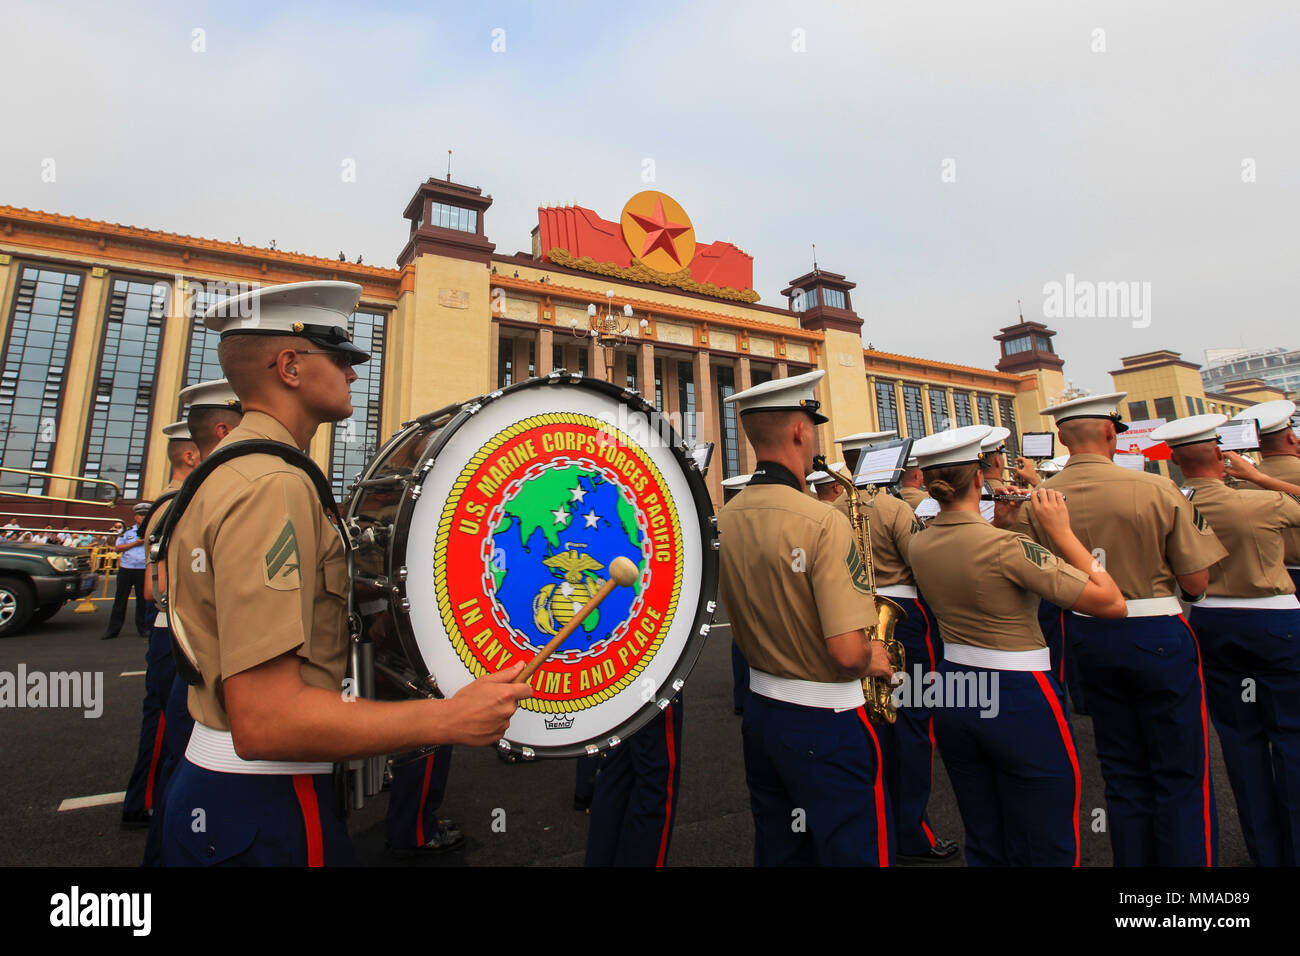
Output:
(1001, 722)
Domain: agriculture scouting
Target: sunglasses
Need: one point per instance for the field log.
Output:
(340, 359)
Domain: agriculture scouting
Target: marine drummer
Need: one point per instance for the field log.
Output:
(909, 742)
(257, 583)
(1248, 626)
(1010, 754)
(1141, 676)
(1280, 450)
(796, 589)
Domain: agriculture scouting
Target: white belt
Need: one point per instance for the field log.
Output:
(1149, 607)
(1278, 602)
(844, 695)
(1293, 567)
(160, 620)
(898, 590)
(1038, 659)
(215, 750)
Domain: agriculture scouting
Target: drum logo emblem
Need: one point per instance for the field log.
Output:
(525, 540)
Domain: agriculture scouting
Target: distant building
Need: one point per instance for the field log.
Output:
(1276, 367)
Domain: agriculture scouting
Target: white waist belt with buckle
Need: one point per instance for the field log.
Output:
(1149, 607)
(215, 750)
(160, 620)
(898, 590)
(844, 695)
(1039, 659)
(1293, 567)
(1277, 602)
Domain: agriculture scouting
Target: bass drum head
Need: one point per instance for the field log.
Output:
(528, 498)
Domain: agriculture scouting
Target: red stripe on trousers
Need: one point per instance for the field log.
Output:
(1066, 739)
(154, 760)
(882, 820)
(424, 797)
(304, 787)
(672, 767)
(1060, 678)
(929, 719)
(1205, 750)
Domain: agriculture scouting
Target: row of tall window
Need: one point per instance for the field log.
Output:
(34, 376)
(939, 418)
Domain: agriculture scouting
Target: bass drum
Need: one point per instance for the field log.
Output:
(482, 528)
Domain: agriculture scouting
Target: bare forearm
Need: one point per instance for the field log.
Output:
(317, 724)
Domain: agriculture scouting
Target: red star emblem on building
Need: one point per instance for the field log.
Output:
(659, 232)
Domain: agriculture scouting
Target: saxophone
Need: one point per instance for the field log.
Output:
(879, 691)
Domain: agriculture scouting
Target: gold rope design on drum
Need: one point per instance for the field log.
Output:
(462, 647)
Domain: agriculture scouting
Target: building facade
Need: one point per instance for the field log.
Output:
(1276, 367)
(99, 331)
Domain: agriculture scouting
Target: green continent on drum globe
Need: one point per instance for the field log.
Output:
(552, 550)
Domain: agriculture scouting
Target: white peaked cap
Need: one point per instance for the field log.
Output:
(957, 446)
(1272, 416)
(797, 394)
(177, 431)
(317, 311)
(1090, 406)
(736, 481)
(214, 394)
(995, 439)
(1189, 431)
(863, 439)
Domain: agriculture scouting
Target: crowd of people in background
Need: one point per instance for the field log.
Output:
(16, 530)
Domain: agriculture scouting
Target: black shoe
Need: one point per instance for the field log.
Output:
(942, 852)
(448, 838)
(738, 711)
(137, 820)
(581, 803)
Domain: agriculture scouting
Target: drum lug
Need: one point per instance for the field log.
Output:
(704, 630)
(405, 605)
(418, 489)
(401, 576)
(613, 742)
(678, 685)
(709, 606)
(592, 750)
(713, 521)
(662, 703)
(716, 544)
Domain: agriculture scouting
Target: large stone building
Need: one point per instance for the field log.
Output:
(99, 332)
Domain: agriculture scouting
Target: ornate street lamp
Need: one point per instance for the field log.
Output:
(609, 330)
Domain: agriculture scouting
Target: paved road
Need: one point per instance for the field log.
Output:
(51, 755)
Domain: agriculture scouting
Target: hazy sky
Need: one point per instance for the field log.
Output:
(949, 157)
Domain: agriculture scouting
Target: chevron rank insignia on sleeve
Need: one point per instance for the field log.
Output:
(1036, 553)
(282, 566)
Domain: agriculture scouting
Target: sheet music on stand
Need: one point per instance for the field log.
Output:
(1239, 435)
(1134, 462)
(702, 454)
(882, 464)
(1038, 445)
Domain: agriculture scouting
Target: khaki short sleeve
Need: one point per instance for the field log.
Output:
(1288, 510)
(839, 579)
(1034, 568)
(1191, 544)
(264, 574)
(902, 525)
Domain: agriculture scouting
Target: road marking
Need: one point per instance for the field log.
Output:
(98, 800)
(132, 673)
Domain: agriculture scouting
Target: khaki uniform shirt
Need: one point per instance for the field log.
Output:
(1285, 468)
(892, 525)
(984, 583)
(255, 570)
(1138, 525)
(1250, 523)
(913, 496)
(993, 481)
(791, 578)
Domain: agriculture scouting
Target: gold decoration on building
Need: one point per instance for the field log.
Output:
(640, 272)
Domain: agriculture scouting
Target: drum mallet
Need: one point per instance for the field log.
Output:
(622, 573)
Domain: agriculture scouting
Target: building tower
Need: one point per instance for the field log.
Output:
(1027, 350)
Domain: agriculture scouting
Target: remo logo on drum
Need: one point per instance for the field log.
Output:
(526, 537)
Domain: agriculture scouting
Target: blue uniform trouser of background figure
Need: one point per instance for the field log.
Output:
(142, 790)
(1016, 772)
(1141, 677)
(635, 800)
(909, 742)
(176, 736)
(739, 680)
(415, 796)
(816, 786)
(250, 819)
(1252, 684)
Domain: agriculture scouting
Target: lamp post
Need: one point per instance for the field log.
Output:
(609, 330)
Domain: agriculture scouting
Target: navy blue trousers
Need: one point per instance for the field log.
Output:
(739, 679)
(909, 742)
(1252, 683)
(816, 786)
(1142, 680)
(235, 819)
(143, 788)
(414, 798)
(1016, 773)
(635, 800)
(1051, 621)
(584, 782)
